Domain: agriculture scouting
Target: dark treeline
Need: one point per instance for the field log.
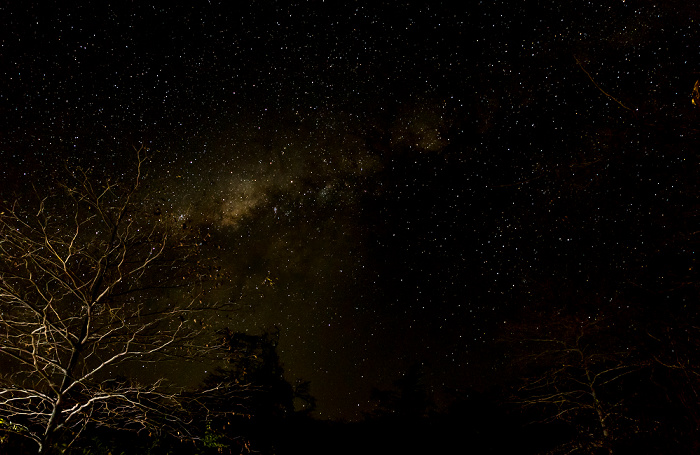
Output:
(547, 405)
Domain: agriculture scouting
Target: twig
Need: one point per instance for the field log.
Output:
(578, 62)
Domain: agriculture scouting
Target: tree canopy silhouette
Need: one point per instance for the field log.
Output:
(248, 401)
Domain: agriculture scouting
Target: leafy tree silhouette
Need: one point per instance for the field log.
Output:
(248, 401)
(408, 401)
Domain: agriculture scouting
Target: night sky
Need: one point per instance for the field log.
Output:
(390, 183)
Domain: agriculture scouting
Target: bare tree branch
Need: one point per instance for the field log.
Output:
(573, 375)
(81, 293)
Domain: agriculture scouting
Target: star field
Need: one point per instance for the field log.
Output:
(389, 184)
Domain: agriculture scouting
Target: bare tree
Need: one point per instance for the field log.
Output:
(674, 347)
(87, 280)
(572, 371)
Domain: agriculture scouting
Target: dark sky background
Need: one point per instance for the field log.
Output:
(389, 183)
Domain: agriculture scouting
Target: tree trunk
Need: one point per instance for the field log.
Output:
(606, 441)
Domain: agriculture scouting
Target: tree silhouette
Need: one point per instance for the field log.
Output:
(248, 400)
(85, 273)
(409, 400)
